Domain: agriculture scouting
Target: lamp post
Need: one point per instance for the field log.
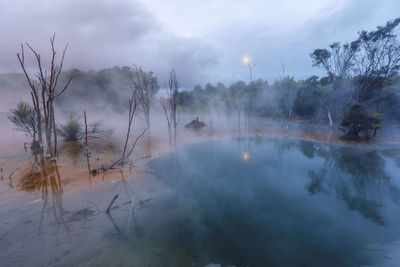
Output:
(246, 60)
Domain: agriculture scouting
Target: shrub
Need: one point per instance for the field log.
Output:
(24, 118)
(356, 119)
(72, 131)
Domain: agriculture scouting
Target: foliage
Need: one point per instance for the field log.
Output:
(363, 72)
(367, 69)
(25, 119)
(356, 118)
(308, 100)
(71, 131)
(369, 61)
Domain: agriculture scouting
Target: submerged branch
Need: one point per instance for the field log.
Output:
(111, 203)
(11, 174)
(119, 162)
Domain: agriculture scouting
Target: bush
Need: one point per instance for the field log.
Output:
(72, 131)
(24, 118)
(357, 119)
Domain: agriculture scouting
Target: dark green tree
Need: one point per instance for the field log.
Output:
(356, 119)
(308, 99)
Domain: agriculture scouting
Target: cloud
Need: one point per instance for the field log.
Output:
(288, 39)
(203, 40)
(101, 34)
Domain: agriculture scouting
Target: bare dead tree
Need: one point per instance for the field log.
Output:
(127, 151)
(34, 85)
(132, 147)
(120, 161)
(132, 110)
(86, 130)
(44, 90)
(169, 105)
(173, 94)
(165, 104)
(145, 84)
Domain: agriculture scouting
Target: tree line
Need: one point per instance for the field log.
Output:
(359, 91)
(359, 94)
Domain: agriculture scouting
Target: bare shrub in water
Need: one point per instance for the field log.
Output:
(72, 131)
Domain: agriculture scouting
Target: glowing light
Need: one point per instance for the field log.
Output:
(246, 60)
(245, 156)
(164, 99)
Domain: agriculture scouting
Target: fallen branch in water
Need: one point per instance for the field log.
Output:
(11, 174)
(133, 100)
(111, 203)
(114, 224)
(121, 161)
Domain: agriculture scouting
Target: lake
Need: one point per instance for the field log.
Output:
(226, 202)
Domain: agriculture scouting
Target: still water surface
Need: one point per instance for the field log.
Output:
(233, 202)
(265, 202)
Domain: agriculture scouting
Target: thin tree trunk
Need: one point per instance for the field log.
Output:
(86, 130)
(127, 138)
(43, 87)
(148, 142)
(330, 117)
(54, 129)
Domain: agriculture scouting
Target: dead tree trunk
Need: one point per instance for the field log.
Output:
(45, 85)
(164, 102)
(173, 94)
(329, 117)
(86, 130)
(132, 110)
(145, 84)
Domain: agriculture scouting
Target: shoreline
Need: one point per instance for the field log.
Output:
(81, 207)
(75, 173)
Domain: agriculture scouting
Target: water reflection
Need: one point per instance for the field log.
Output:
(44, 176)
(72, 150)
(245, 147)
(295, 203)
(356, 177)
(292, 203)
(245, 156)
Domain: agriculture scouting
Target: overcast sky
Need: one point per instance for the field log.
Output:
(203, 40)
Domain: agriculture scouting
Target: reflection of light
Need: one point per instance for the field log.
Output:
(245, 156)
(246, 60)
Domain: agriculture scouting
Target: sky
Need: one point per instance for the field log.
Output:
(204, 41)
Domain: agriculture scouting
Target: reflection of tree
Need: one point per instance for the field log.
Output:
(307, 148)
(44, 177)
(355, 176)
(73, 150)
(317, 177)
(132, 231)
(282, 146)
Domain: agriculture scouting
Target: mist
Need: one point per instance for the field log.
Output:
(212, 133)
